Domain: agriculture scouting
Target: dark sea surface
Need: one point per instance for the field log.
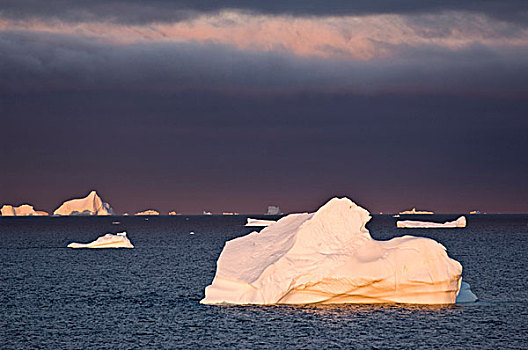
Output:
(53, 297)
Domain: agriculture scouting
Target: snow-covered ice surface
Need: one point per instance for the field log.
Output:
(119, 240)
(329, 257)
(458, 223)
(258, 223)
(22, 210)
(92, 204)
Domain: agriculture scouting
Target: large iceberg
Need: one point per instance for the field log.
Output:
(258, 222)
(329, 257)
(458, 223)
(22, 210)
(92, 204)
(119, 240)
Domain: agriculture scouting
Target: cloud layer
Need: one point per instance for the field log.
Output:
(449, 53)
(144, 12)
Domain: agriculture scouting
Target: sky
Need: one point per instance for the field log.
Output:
(237, 105)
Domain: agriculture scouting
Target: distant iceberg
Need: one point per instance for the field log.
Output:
(92, 204)
(119, 240)
(173, 213)
(329, 257)
(148, 212)
(414, 211)
(22, 210)
(458, 223)
(273, 210)
(258, 222)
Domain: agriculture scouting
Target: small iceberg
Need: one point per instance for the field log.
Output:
(258, 223)
(21, 210)
(413, 211)
(119, 240)
(458, 223)
(273, 210)
(147, 212)
(329, 257)
(465, 295)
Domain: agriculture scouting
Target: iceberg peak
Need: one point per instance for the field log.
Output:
(92, 204)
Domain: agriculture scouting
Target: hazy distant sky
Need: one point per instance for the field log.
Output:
(236, 105)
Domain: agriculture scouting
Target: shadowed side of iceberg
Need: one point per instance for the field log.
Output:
(330, 257)
(465, 295)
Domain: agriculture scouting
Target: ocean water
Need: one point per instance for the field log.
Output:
(53, 297)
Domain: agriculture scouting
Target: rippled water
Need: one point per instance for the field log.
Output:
(148, 297)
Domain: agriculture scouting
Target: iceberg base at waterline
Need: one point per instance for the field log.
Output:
(119, 240)
(329, 257)
(458, 223)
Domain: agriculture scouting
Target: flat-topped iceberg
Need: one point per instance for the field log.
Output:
(258, 223)
(119, 240)
(148, 212)
(329, 257)
(21, 210)
(92, 204)
(458, 223)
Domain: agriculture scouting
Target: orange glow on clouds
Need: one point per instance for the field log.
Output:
(356, 38)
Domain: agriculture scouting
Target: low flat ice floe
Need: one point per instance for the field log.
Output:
(458, 223)
(118, 240)
(258, 222)
(329, 257)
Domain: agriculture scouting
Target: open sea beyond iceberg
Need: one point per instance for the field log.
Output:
(53, 297)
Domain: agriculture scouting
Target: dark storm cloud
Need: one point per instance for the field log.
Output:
(50, 62)
(138, 11)
(196, 150)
